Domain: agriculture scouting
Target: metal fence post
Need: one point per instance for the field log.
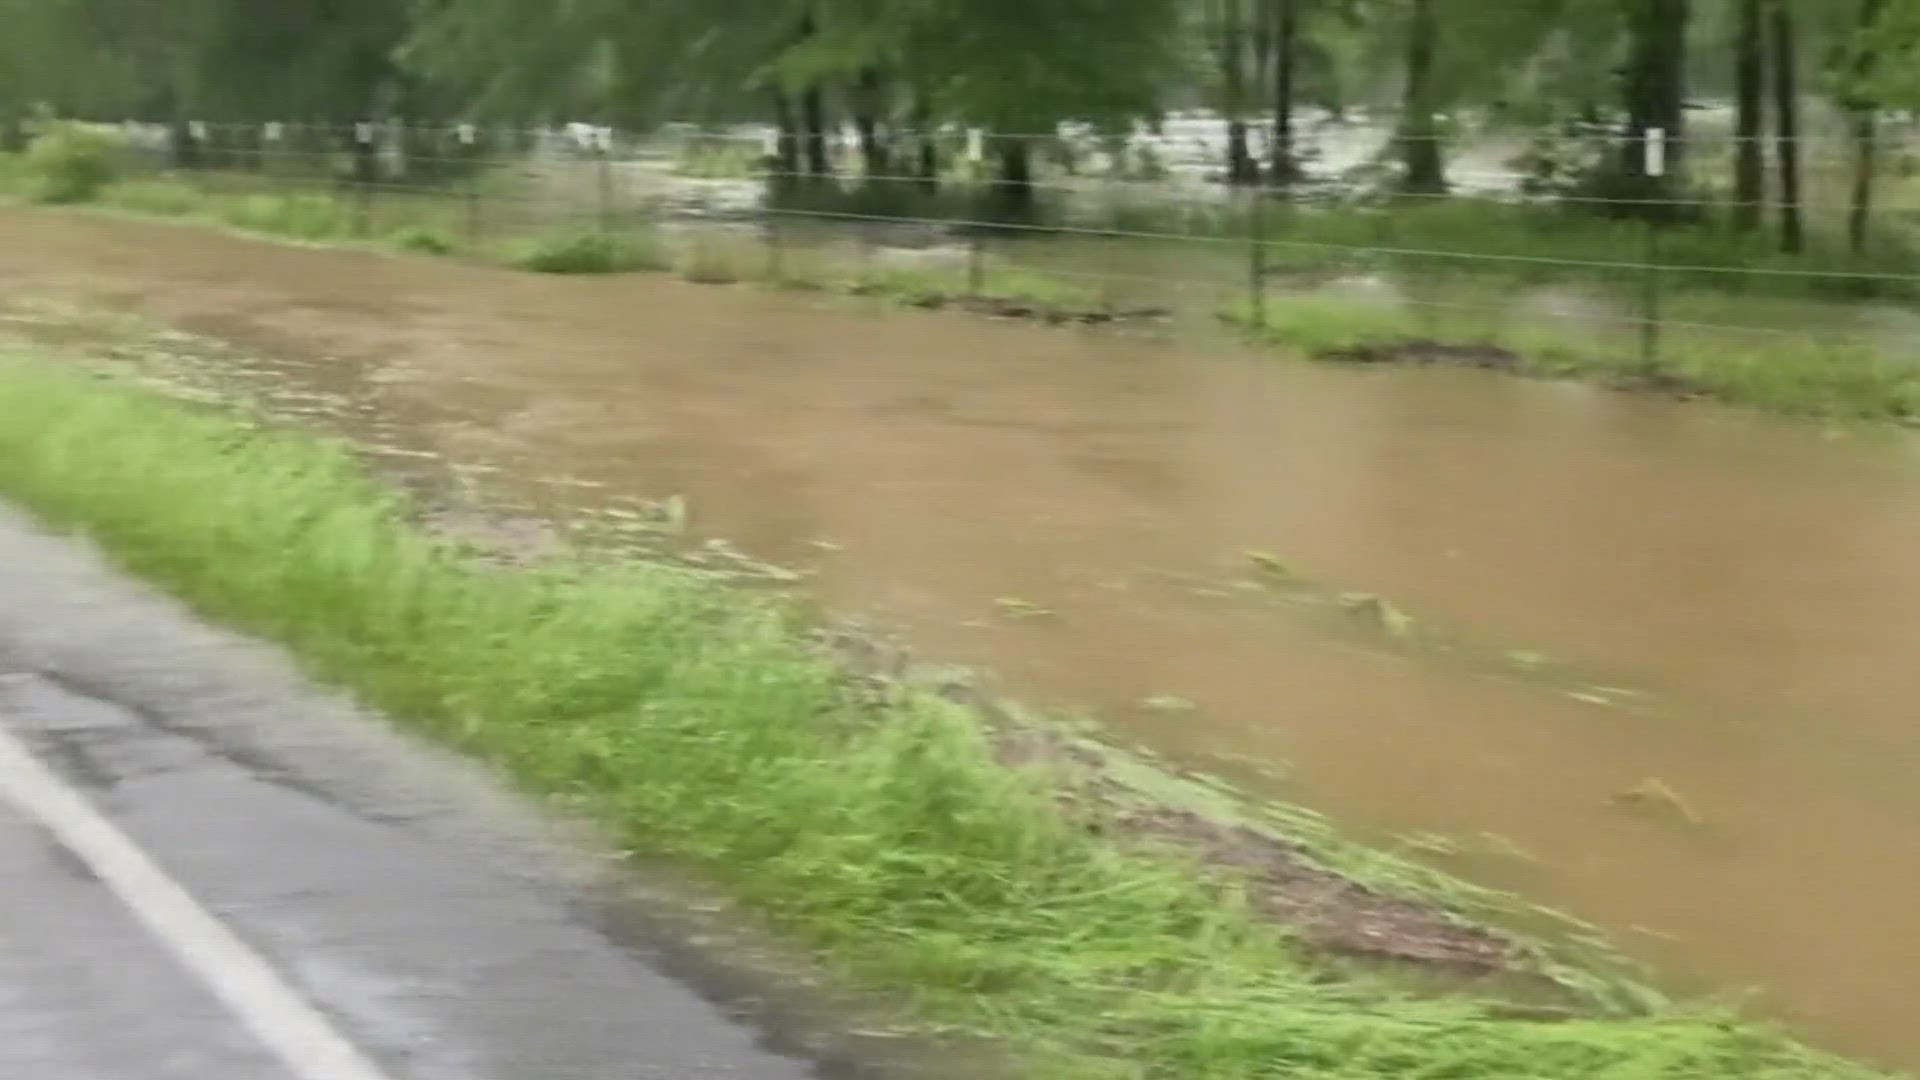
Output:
(364, 150)
(1655, 167)
(976, 235)
(1650, 300)
(1257, 259)
(471, 151)
(603, 145)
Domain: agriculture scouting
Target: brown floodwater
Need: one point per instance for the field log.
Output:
(1757, 580)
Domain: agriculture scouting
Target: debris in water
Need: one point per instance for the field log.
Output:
(1013, 607)
(1606, 696)
(1527, 659)
(673, 513)
(570, 481)
(1380, 612)
(1481, 845)
(1655, 794)
(1269, 562)
(1168, 703)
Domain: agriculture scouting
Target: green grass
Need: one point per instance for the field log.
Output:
(585, 252)
(158, 196)
(1832, 375)
(422, 240)
(692, 722)
(294, 216)
(1499, 241)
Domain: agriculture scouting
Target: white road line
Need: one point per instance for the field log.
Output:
(277, 1015)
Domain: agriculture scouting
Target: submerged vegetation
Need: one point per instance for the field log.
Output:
(698, 722)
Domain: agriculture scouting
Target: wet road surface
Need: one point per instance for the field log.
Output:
(430, 925)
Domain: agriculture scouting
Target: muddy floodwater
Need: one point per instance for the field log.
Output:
(1073, 511)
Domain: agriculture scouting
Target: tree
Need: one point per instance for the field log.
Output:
(1452, 53)
(1750, 91)
(1419, 124)
(1786, 100)
(1893, 38)
(1283, 36)
(1234, 44)
(1020, 68)
(1859, 67)
(1654, 85)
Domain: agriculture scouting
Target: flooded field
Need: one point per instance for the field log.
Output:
(1119, 525)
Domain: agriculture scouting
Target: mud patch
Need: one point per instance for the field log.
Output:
(1024, 310)
(1424, 352)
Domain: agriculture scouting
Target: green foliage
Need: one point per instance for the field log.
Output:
(70, 163)
(164, 197)
(422, 240)
(13, 174)
(295, 216)
(582, 252)
(1893, 43)
(695, 723)
(1807, 375)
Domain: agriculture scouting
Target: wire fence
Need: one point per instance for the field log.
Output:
(1336, 258)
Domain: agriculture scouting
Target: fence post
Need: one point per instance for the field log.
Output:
(366, 175)
(770, 185)
(976, 233)
(1257, 258)
(1655, 167)
(1650, 300)
(470, 150)
(603, 146)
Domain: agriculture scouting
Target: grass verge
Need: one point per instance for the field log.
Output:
(695, 722)
(1701, 351)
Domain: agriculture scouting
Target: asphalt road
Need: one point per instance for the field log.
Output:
(210, 871)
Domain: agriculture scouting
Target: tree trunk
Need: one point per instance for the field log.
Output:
(786, 145)
(1241, 168)
(1656, 101)
(1014, 193)
(1866, 155)
(813, 125)
(182, 147)
(366, 156)
(928, 169)
(813, 113)
(1749, 160)
(1425, 171)
(1865, 114)
(1786, 103)
(1281, 163)
(866, 120)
